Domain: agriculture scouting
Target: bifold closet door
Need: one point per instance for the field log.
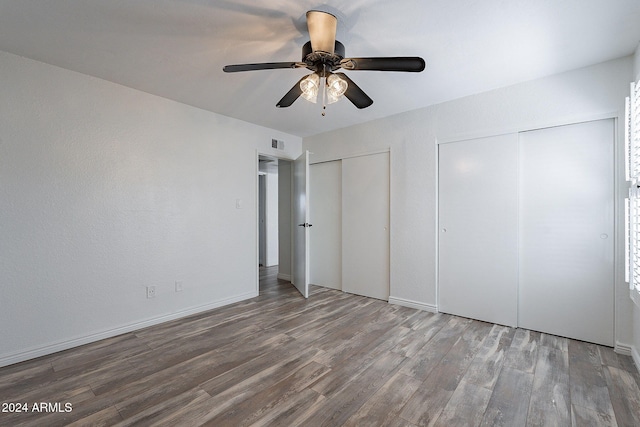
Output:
(365, 225)
(478, 245)
(566, 283)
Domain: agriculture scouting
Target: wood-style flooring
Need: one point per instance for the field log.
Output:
(332, 360)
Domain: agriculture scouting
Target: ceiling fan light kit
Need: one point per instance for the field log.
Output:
(323, 55)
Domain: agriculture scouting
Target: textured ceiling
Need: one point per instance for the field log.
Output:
(177, 48)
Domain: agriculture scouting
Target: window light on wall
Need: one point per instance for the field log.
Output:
(632, 207)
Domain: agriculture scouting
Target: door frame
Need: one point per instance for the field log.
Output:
(256, 170)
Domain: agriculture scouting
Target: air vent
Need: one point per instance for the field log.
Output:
(278, 145)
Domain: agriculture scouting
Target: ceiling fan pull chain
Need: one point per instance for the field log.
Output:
(324, 93)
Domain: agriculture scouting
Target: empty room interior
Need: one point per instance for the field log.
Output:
(349, 213)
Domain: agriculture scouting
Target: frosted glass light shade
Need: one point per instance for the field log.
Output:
(336, 87)
(309, 87)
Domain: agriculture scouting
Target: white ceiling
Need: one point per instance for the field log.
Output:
(177, 48)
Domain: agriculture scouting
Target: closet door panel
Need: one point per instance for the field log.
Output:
(477, 204)
(365, 225)
(566, 231)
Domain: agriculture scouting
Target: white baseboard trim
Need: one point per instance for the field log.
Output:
(621, 348)
(87, 339)
(413, 304)
(286, 277)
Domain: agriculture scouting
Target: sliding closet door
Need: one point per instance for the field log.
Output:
(566, 231)
(478, 246)
(365, 225)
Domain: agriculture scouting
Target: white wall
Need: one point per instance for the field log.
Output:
(105, 190)
(593, 92)
(270, 176)
(272, 218)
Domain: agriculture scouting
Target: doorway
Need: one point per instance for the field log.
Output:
(274, 216)
(267, 212)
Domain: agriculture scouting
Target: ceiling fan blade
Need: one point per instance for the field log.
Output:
(412, 64)
(355, 94)
(262, 66)
(322, 30)
(291, 96)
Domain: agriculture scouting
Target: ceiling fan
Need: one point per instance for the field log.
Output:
(323, 55)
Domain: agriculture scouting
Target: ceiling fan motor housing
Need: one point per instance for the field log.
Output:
(316, 60)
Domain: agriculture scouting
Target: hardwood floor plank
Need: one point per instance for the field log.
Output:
(509, 402)
(143, 393)
(116, 348)
(588, 385)
(227, 394)
(421, 332)
(107, 418)
(341, 374)
(616, 360)
(254, 367)
(385, 405)
(553, 341)
(162, 360)
(430, 399)
(522, 353)
(625, 396)
(424, 360)
(18, 379)
(362, 334)
(550, 403)
(250, 410)
(425, 320)
(466, 406)
(83, 405)
(588, 417)
(485, 367)
(343, 404)
(188, 408)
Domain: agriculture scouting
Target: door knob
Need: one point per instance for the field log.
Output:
(306, 224)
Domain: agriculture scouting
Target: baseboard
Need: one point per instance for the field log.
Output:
(413, 304)
(87, 339)
(623, 349)
(286, 277)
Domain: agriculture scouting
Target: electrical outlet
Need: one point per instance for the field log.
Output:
(151, 291)
(178, 285)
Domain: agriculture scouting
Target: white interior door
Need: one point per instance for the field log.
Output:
(301, 223)
(478, 242)
(365, 225)
(566, 231)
